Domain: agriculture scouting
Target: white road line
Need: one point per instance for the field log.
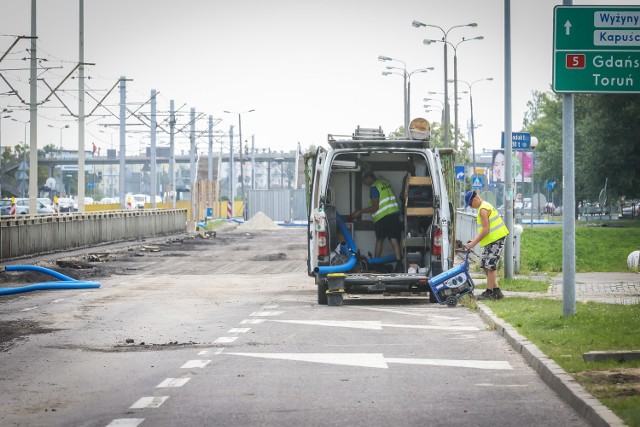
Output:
(195, 364)
(265, 313)
(126, 422)
(252, 321)
(57, 300)
(225, 340)
(375, 325)
(173, 382)
(377, 360)
(477, 364)
(149, 402)
(269, 307)
(210, 351)
(29, 309)
(238, 330)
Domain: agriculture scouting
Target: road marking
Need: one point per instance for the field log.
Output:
(368, 360)
(238, 330)
(149, 402)
(269, 307)
(265, 313)
(475, 364)
(173, 382)
(417, 312)
(374, 325)
(501, 385)
(377, 360)
(225, 340)
(29, 309)
(252, 321)
(195, 364)
(126, 422)
(57, 300)
(208, 352)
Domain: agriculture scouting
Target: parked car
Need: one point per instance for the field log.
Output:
(630, 211)
(108, 201)
(66, 204)
(136, 201)
(22, 207)
(46, 201)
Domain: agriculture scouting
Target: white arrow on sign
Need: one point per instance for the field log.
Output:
(567, 27)
(374, 325)
(377, 360)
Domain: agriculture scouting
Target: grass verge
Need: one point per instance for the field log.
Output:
(595, 326)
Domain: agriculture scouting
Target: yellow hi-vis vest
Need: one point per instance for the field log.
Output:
(388, 203)
(497, 228)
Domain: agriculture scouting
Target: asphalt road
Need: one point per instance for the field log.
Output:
(226, 332)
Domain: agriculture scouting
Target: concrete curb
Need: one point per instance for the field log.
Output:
(552, 374)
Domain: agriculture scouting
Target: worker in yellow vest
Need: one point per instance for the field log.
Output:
(491, 236)
(385, 214)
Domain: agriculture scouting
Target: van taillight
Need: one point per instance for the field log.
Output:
(323, 250)
(437, 242)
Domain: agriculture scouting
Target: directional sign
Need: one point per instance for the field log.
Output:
(519, 140)
(460, 173)
(596, 49)
(476, 182)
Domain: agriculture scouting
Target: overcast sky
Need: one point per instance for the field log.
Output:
(308, 68)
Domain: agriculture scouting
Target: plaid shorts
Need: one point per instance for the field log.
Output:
(491, 254)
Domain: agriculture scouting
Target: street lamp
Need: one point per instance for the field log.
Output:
(473, 138)
(61, 128)
(407, 87)
(4, 110)
(241, 152)
(445, 33)
(24, 149)
(455, 75)
(404, 74)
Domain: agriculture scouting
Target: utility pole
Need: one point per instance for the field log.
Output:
(123, 141)
(33, 118)
(154, 124)
(81, 153)
(210, 162)
(193, 174)
(172, 159)
(508, 180)
(231, 180)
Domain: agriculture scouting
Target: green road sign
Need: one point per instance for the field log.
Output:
(596, 49)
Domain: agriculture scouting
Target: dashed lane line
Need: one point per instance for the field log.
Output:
(173, 382)
(149, 402)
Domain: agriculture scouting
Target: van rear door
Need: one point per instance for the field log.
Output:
(313, 203)
(444, 215)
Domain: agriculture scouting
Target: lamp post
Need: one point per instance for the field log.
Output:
(61, 128)
(473, 138)
(24, 151)
(455, 76)
(241, 152)
(404, 74)
(407, 78)
(445, 33)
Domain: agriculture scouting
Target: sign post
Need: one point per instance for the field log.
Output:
(596, 49)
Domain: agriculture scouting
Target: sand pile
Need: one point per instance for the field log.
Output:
(259, 222)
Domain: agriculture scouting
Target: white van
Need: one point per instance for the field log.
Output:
(337, 245)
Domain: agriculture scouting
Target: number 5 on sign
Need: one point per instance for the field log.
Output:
(576, 60)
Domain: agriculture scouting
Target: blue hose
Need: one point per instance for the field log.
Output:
(65, 282)
(352, 251)
(387, 259)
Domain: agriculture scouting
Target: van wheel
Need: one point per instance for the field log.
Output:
(322, 292)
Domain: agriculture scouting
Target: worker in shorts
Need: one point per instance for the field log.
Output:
(386, 215)
(491, 236)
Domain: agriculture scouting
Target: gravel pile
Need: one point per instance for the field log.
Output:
(259, 222)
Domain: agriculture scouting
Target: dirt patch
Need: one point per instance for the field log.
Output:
(12, 332)
(611, 384)
(135, 347)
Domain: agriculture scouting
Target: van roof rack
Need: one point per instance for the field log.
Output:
(373, 138)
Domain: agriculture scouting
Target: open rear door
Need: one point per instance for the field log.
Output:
(313, 167)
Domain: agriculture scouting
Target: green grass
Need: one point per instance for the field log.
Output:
(520, 285)
(594, 327)
(601, 249)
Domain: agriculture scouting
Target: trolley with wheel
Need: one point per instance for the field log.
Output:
(448, 287)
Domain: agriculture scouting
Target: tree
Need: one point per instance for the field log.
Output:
(607, 142)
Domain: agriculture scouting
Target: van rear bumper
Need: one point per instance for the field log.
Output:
(376, 283)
